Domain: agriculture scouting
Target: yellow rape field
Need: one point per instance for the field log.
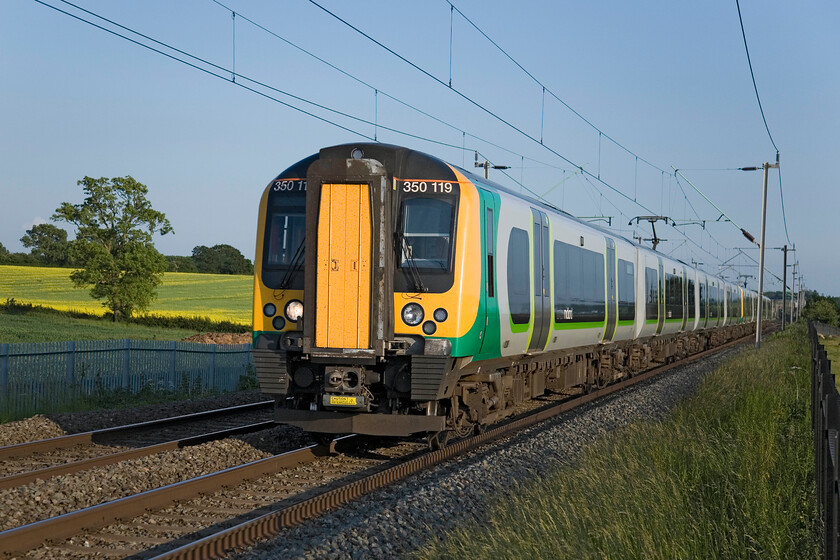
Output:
(220, 297)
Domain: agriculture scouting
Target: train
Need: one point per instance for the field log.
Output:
(396, 294)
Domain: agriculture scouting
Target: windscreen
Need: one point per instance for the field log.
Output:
(284, 246)
(427, 232)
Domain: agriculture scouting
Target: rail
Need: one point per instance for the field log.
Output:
(825, 420)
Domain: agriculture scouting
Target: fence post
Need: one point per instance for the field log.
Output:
(5, 398)
(212, 381)
(126, 365)
(828, 469)
(71, 362)
(173, 348)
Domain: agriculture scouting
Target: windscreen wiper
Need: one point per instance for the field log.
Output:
(414, 272)
(294, 267)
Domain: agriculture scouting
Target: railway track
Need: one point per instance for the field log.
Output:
(26, 462)
(206, 516)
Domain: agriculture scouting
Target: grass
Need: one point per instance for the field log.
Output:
(832, 349)
(220, 297)
(45, 326)
(728, 475)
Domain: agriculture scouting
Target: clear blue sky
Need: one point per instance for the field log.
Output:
(668, 80)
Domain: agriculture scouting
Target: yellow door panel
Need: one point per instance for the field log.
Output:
(343, 283)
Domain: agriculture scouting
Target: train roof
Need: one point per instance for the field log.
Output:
(405, 161)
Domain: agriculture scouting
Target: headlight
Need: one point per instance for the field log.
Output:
(440, 315)
(269, 309)
(278, 323)
(412, 314)
(294, 310)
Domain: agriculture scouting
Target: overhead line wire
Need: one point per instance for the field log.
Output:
(493, 114)
(253, 81)
(318, 117)
(763, 118)
(464, 96)
(549, 91)
(190, 64)
(752, 75)
(376, 89)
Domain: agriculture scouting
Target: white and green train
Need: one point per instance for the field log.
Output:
(397, 294)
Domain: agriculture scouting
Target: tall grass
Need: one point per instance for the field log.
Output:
(728, 475)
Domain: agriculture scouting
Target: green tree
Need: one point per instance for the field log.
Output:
(114, 228)
(48, 243)
(822, 309)
(177, 263)
(4, 254)
(221, 259)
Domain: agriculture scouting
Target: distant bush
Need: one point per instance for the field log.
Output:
(20, 259)
(14, 307)
(822, 309)
(221, 259)
(190, 323)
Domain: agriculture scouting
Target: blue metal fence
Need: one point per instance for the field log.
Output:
(51, 376)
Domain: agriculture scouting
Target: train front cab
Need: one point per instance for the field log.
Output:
(391, 274)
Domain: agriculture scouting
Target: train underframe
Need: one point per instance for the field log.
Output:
(431, 393)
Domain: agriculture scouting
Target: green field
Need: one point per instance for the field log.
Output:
(220, 297)
(44, 326)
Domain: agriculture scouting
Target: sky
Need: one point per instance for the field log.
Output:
(632, 91)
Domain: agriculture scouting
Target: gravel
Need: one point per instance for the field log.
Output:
(400, 519)
(76, 422)
(55, 425)
(48, 498)
(30, 429)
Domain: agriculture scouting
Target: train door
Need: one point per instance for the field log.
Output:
(344, 267)
(489, 210)
(661, 303)
(612, 297)
(542, 275)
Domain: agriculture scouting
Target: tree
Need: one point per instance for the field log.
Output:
(114, 228)
(48, 243)
(4, 254)
(180, 264)
(822, 309)
(221, 259)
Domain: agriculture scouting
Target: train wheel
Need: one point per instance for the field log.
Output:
(437, 440)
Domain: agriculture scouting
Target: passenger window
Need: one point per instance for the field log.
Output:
(518, 277)
(651, 294)
(626, 291)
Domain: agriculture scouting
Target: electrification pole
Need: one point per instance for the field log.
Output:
(766, 168)
(784, 288)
